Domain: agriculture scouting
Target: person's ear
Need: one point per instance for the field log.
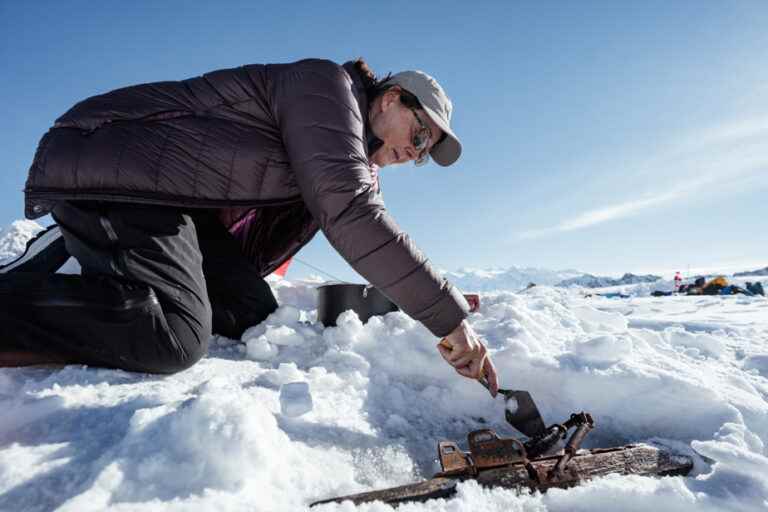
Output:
(391, 96)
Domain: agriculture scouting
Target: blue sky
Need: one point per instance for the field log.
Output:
(601, 136)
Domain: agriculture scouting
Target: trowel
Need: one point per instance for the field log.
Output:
(520, 410)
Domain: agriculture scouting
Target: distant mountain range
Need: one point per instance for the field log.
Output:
(512, 278)
(590, 281)
(515, 278)
(758, 272)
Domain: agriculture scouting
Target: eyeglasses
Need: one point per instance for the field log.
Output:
(421, 140)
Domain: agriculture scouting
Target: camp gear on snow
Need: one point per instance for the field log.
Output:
(714, 286)
(736, 290)
(438, 107)
(365, 300)
(285, 143)
(755, 288)
(156, 281)
(613, 295)
(494, 461)
(718, 281)
(520, 410)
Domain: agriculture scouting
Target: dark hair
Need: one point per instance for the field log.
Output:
(371, 83)
(375, 87)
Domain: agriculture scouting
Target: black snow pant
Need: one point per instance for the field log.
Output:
(155, 283)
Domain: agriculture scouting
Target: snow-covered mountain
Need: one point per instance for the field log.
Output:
(517, 278)
(758, 272)
(590, 281)
(13, 239)
(511, 278)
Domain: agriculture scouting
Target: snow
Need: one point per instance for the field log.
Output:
(295, 399)
(688, 373)
(511, 405)
(14, 238)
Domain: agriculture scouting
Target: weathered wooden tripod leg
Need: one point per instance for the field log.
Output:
(631, 459)
(442, 487)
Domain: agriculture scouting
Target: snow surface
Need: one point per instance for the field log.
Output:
(689, 373)
(14, 238)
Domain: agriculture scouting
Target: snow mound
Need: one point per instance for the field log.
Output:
(14, 238)
(759, 363)
(294, 412)
(605, 349)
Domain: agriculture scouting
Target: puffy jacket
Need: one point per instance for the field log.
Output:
(285, 142)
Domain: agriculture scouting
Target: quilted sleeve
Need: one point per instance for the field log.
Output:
(323, 132)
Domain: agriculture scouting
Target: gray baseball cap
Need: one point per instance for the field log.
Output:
(438, 107)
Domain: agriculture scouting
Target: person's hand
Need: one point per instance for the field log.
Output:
(463, 350)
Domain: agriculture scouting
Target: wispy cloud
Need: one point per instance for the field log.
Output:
(725, 155)
(727, 132)
(600, 215)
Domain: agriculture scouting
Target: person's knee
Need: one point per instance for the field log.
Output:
(178, 360)
(191, 356)
(183, 339)
(190, 343)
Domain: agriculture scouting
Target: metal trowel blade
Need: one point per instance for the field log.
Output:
(526, 416)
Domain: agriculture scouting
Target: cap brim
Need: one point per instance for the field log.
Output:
(449, 150)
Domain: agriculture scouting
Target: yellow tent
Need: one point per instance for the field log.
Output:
(719, 281)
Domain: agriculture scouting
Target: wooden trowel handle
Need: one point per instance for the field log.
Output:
(482, 379)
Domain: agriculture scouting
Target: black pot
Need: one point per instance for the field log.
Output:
(365, 300)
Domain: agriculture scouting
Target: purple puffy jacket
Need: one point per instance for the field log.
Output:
(285, 143)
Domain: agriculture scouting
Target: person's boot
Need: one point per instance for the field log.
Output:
(12, 359)
(44, 254)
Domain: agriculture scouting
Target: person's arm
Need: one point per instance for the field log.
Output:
(322, 129)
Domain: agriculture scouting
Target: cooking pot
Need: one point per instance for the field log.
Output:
(365, 300)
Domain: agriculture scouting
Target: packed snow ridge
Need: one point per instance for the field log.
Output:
(294, 412)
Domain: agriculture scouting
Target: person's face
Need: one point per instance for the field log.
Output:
(396, 125)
